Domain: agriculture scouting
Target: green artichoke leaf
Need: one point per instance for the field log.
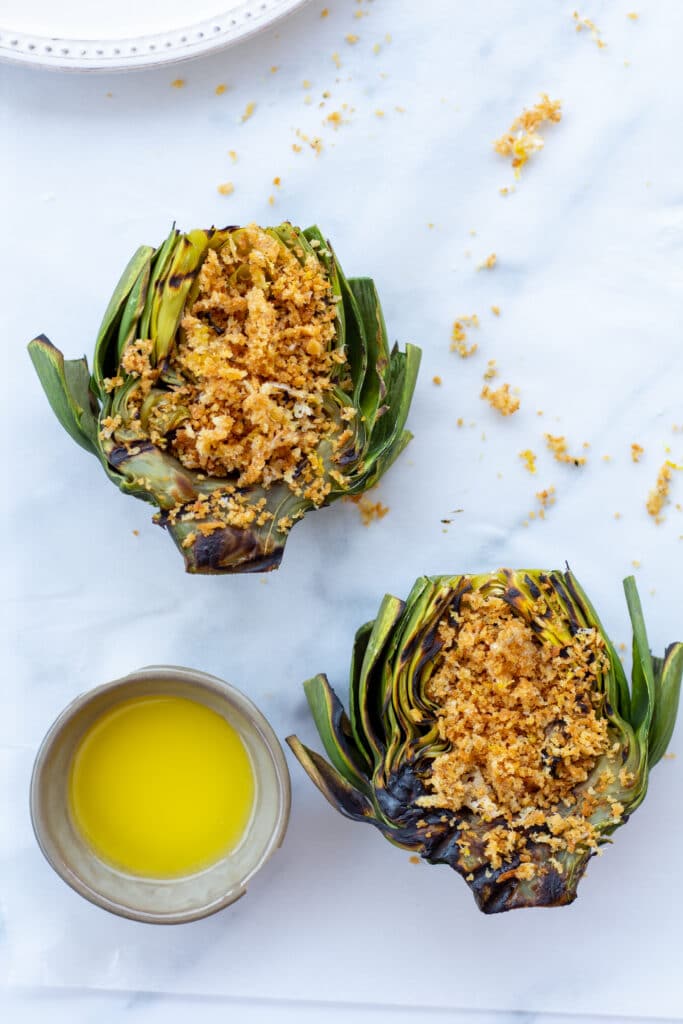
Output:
(394, 727)
(374, 334)
(173, 289)
(103, 364)
(335, 731)
(668, 673)
(365, 713)
(67, 386)
(642, 679)
(132, 311)
(162, 257)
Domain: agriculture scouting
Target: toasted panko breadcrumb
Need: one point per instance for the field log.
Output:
(558, 446)
(637, 452)
(489, 263)
(370, 511)
(500, 399)
(582, 23)
(510, 705)
(459, 336)
(546, 498)
(523, 139)
(659, 495)
(529, 459)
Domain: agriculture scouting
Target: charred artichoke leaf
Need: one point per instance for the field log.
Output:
(383, 755)
(115, 416)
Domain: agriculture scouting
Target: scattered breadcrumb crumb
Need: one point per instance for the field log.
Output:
(352, 38)
(178, 83)
(335, 119)
(558, 446)
(306, 84)
(459, 336)
(606, 458)
(491, 371)
(529, 459)
(659, 495)
(635, 563)
(376, 49)
(500, 399)
(370, 511)
(379, 113)
(325, 11)
(336, 59)
(387, 38)
(633, 15)
(522, 140)
(226, 189)
(248, 111)
(489, 263)
(582, 23)
(546, 498)
(220, 89)
(617, 515)
(271, 200)
(506, 190)
(233, 155)
(274, 68)
(136, 533)
(637, 452)
(437, 380)
(669, 756)
(416, 860)
(495, 310)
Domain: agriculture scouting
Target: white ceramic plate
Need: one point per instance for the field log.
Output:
(82, 35)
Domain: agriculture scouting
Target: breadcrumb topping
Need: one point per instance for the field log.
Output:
(249, 373)
(500, 399)
(637, 452)
(523, 139)
(522, 718)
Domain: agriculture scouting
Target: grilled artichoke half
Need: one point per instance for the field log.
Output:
(239, 380)
(491, 727)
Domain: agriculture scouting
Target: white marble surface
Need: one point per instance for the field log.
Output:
(589, 284)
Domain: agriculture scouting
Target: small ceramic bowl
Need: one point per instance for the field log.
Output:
(159, 901)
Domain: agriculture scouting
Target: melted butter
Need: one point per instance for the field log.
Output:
(161, 786)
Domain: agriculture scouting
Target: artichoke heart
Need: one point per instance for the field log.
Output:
(491, 727)
(238, 380)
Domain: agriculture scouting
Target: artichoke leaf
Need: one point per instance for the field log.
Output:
(668, 672)
(67, 386)
(103, 358)
(335, 731)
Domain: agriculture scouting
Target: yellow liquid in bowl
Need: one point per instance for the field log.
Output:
(161, 786)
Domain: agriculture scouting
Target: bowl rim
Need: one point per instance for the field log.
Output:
(202, 681)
